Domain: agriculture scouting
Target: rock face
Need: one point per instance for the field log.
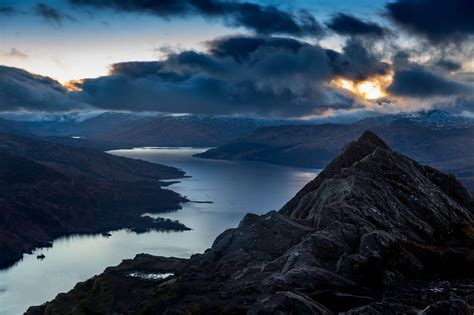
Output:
(374, 233)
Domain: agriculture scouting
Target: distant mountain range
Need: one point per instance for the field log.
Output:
(115, 129)
(49, 189)
(436, 138)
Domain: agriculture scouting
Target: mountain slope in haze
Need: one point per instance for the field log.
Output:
(48, 190)
(189, 130)
(436, 138)
(13, 127)
(126, 129)
(374, 233)
(85, 162)
(54, 131)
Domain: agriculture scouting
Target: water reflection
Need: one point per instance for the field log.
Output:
(234, 188)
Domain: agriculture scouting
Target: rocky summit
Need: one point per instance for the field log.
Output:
(374, 233)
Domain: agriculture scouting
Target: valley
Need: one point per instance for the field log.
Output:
(233, 188)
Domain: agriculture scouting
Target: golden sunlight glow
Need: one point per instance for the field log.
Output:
(370, 89)
(73, 85)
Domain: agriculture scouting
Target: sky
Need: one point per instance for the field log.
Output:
(90, 41)
(313, 58)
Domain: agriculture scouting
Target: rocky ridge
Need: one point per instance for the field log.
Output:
(374, 233)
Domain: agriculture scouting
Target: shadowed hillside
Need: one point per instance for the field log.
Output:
(49, 190)
(435, 138)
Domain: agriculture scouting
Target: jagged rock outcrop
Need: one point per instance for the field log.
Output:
(374, 233)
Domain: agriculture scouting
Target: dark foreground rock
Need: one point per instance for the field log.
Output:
(374, 233)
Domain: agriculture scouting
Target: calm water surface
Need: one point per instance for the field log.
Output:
(234, 188)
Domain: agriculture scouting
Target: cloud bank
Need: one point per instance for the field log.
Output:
(345, 24)
(263, 20)
(23, 91)
(266, 76)
(416, 81)
(279, 71)
(242, 75)
(437, 20)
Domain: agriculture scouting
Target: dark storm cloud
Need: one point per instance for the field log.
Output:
(245, 75)
(193, 62)
(349, 25)
(135, 68)
(264, 20)
(266, 76)
(21, 90)
(240, 47)
(356, 62)
(51, 15)
(438, 20)
(273, 78)
(270, 20)
(416, 81)
(198, 94)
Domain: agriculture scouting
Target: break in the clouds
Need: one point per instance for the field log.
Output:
(437, 20)
(261, 19)
(349, 25)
